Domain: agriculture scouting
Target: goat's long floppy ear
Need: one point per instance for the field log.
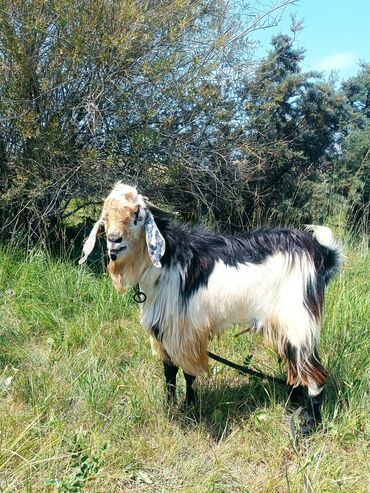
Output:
(90, 242)
(154, 240)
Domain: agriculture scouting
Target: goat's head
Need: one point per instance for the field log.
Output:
(128, 224)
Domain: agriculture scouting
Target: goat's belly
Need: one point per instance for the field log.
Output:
(238, 295)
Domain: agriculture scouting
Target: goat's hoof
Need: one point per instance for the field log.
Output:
(170, 401)
(309, 425)
(187, 404)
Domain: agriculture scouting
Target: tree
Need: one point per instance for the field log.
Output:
(354, 165)
(292, 132)
(162, 95)
(95, 91)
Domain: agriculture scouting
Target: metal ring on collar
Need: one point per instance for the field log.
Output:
(139, 297)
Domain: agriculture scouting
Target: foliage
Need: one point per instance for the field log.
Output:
(90, 91)
(84, 467)
(292, 132)
(169, 96)
(354, 164)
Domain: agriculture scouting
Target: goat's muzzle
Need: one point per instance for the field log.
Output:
(113, 254)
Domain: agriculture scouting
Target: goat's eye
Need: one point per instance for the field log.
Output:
(137, 217)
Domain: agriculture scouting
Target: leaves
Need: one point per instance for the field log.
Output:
(93, 92)
(83, 466)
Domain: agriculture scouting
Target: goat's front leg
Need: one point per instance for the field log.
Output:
(170, 372)
(190, 393)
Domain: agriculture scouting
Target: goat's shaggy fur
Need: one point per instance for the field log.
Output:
(199, 283)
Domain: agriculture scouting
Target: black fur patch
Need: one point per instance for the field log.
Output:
(157, 333)
(314, 296)
(326, 262)
(331, 263)
(196, 251)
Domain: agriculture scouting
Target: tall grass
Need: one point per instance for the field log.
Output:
(81, 397)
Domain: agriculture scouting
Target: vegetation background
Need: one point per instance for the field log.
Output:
(169, 96)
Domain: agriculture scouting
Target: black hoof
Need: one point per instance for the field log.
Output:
(309, 425)
(171, 399)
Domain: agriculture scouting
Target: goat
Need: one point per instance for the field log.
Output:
(198, 283)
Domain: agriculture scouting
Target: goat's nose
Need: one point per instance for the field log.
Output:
(115, 238)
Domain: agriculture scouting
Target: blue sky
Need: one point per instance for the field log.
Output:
(336, 34)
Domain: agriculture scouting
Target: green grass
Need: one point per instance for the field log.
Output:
(81, 396)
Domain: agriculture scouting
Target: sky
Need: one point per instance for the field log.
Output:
(336, 34)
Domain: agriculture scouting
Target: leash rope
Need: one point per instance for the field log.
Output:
(244, 369)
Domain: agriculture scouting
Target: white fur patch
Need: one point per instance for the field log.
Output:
(323, 235)
(121, 191)
(271, 291)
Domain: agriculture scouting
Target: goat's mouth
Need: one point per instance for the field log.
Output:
(115, 253)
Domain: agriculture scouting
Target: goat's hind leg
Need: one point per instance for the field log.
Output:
(305, 367)
(312, 416)
(316, 377)
(170, 373)
(296, 395)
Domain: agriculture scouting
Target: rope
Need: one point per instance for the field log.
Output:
(244, 369)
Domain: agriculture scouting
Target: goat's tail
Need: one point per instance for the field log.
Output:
(333, 254)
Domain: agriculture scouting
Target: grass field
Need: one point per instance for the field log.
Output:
(81, 396)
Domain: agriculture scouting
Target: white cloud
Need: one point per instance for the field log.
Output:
(336, 62)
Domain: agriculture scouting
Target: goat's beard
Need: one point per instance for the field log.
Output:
(115, 271)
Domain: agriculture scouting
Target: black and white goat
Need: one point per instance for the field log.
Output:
(198, 283)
